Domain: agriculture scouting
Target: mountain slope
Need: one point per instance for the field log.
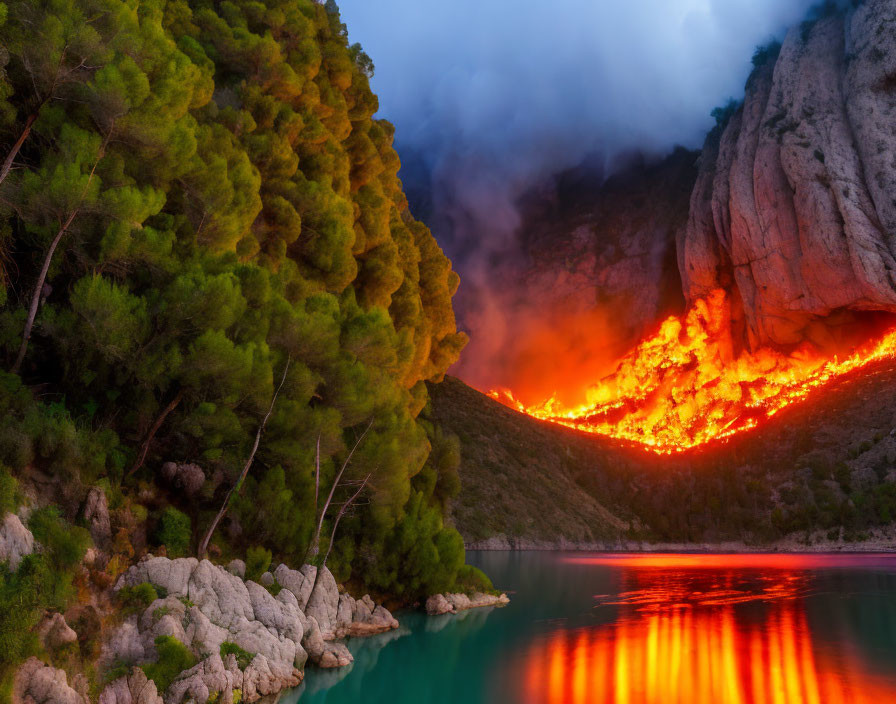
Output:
(824, 468)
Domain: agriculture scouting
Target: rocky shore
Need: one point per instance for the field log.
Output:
(249, 641)
(878, 540)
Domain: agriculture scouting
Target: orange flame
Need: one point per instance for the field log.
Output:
(684, 386)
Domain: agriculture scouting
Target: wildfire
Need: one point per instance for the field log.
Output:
(684, 386)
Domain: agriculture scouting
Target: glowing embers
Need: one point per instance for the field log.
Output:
(665, 649)
(684, 386)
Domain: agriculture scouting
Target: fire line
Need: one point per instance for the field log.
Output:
(683, 387)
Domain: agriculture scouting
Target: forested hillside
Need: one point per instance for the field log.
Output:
(195, 203)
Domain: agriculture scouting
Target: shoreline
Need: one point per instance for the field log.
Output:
(880, 541)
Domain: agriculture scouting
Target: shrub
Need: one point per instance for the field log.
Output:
(243, 658)
(258, 559)
(65, 543)
(471, 579)
(138, 597)
(7, 492)
(174, 658)
(174, 532)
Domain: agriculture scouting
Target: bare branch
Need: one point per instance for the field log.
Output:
(203, 546)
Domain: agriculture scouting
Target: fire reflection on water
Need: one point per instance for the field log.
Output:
(680, 642)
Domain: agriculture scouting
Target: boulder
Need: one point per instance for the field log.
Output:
(439, 604)
(296, 582)
(37, 683)
(188, 478)
(134, 688)
(16, 541)
(199, 683)
(54, 632)
(96, 515)
(238, 568)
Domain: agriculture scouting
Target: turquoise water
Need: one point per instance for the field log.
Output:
(590, 628)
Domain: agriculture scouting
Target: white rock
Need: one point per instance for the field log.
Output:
(54, 632)
(16, 541)
(37, 683)
(237, 567)
(134, 688)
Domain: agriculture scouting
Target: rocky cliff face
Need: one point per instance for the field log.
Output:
(611, 243)
(794, 209)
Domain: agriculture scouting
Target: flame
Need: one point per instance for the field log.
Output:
(684, 386)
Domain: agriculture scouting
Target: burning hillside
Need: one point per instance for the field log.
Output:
(686, 386)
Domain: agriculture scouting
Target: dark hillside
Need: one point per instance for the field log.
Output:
(823, 468)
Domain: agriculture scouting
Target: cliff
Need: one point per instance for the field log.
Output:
(793, 211)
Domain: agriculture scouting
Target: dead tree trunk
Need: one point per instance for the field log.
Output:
(203, 546)
(48, 258)
(339, 515)
(314, 545)
(152, 432)
(14, 152)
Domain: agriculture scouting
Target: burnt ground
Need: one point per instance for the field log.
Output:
(825, 466)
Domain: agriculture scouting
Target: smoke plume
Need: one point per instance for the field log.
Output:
(491, 97)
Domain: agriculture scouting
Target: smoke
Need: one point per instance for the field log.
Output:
(490, 97)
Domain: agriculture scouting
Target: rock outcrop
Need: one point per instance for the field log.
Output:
(187, 477)
(16, 541)
(37, 683)
(54, 632)
(96, 516)
(793, 211)
(439, 604)
(134, 688)
(206, 606)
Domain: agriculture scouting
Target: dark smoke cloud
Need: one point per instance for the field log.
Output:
(489, 97)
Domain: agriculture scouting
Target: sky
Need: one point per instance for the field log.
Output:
(490, 97)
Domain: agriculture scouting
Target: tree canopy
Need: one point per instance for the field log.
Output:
(210, 194)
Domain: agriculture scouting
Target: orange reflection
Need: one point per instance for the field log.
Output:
(666, 649)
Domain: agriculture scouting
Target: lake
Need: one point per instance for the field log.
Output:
(638, 629)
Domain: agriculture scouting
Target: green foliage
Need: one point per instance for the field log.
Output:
(723, 114)
(243, 658)
(8, 486)
(258, 559)
(173, 658)
(232, 203)
(65, 544)
(138, 597)
(174, 532)
(43, 581)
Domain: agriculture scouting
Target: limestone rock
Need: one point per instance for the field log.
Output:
(37, 683)
(237, 567)
(296, 582)
(207, 605)
(54, 632)
(793, 210)
(125, 644)
(439, 604)
(16, 541)
(323, 603)
(189, 478)
(204, 679)
(96, 515)
(134, 688)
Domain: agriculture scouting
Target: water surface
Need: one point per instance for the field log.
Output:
(642, 629)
